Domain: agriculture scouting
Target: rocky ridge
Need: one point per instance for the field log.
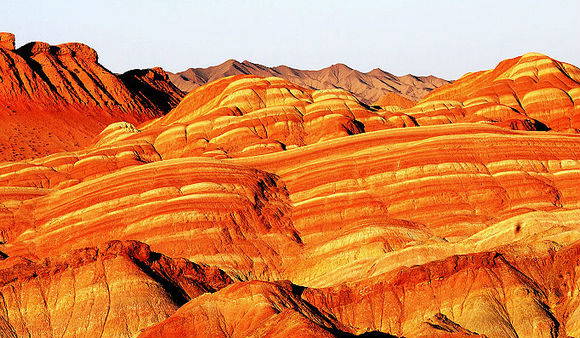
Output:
(368, 87)
(42, 86)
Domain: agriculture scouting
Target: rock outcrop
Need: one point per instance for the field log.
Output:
(44, 86)
(250, 309)
(7, 41)
(113, 290)
(153, 87)
(368, 87)
(395, 100)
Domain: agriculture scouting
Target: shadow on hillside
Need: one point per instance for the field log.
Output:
(370, 334)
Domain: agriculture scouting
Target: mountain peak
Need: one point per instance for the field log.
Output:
(379, 73)
(230, 62)
(7, 40)
(534, 55)
(340, 66)
(80, 50)
(363, 85)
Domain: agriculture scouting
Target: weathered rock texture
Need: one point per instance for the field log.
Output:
(250, 309)
(114, 290)
(55, 98)
(441, 229)
(396, 100)
(368, 87)
(530, 92)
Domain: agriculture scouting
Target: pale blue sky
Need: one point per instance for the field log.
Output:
(443, 38)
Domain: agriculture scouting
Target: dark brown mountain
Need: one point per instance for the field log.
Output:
(368, 87)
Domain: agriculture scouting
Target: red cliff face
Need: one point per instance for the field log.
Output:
(45, 86)
(384, 221)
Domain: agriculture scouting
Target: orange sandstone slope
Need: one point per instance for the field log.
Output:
(453, 230)
(117, 289)
(55, 98)
(532, 91)
(394, 99)
(368, 87)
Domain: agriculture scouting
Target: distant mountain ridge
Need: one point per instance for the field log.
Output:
(368, 87)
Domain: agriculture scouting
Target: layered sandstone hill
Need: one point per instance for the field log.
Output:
(250, 309)
(368, 87)
(456, 229)
(532, 91)
(116, 289)
(44, 86)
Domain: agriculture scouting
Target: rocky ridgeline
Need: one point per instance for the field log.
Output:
(43, 86)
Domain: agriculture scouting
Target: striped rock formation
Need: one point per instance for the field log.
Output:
(43, 86)
(248, 309)
(445, 230)
(530, 92)
(116, 289)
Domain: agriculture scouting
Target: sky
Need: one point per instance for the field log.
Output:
(421, 37)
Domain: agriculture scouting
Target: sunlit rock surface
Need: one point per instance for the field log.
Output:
(56, 98)
(381, 221)
(113, 290)
(530, 92)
